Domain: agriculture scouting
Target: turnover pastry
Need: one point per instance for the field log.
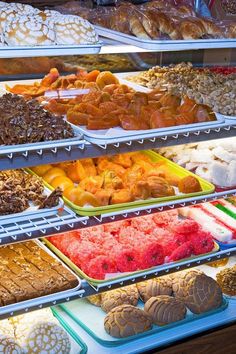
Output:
(127, 320)
(74, 30)
(165, 309)
(155, 287)
(29, 31)
(203, 294)
(121, 296)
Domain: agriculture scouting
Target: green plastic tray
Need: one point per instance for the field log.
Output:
(91, 319)
(179, 171)
(70, 331)
(95, 282)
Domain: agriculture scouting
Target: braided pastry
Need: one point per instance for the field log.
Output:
(127, 320)
(165, 309)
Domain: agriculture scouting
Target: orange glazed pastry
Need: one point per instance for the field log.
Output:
(189, 184)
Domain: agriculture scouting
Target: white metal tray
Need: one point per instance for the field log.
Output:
(52, 50)
(27, 303)
(165, 45)
(32, 212)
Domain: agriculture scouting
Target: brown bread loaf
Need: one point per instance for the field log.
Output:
(165, 309)
(126, 320)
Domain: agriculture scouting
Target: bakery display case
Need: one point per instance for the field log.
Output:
(117, 174)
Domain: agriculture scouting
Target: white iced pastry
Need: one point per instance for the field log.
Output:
(29, 31)
(47, 338)
(49, 14)
(71, 30)
(9, 346)
(11, 11)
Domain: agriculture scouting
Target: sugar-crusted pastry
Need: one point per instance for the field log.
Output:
(9, 346)
(74, 30)
(121, 296)
(226, 278)
(155, 287)
(126, 320)
(10, 11)
(165, 309)
(180, 281)
(29, 31)
(203, 294)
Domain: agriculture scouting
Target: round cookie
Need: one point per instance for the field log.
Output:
(126, 295)
(165, 309)
(226, 278)
(126, 320)
(74, 30)
(47, 338)
(180, 281)
(155, 287)
(29, 31)
(9, 346)
(203, 294)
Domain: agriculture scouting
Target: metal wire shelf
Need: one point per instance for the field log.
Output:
(43, 153)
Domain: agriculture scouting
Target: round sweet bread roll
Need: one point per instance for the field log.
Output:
(165, 309)
(74, 30)
(47, 338)
(9, 346)
(29, 31)
(203, 294)
(180, 282)
(10, 11)
(95, 299)
(126, 295)
(6, 328)
(226, 278)
(49, 14)
(155, 287)
(126, 320)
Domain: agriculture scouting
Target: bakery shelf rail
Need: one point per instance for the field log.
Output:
(18, 156)
(88, 289)
(24, 229)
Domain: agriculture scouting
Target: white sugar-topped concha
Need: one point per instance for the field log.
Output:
(49, 14)
(47, 338)
(29, 31)
(9, 346)
(72, 30)
(6, 328)
(11, 11)
(22, 8)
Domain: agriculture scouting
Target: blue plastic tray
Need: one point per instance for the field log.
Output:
(91, 319)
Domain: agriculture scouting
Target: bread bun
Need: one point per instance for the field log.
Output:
(29, 31)
(180, 282)
(155, 287)
(74, 30)
(49, 14)
(126, 295)
(95, 299)
(126, 320)
(11, 11)
(203, 294)
(165, 309)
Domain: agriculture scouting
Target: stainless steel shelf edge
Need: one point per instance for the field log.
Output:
(25, 156)
(45, 226)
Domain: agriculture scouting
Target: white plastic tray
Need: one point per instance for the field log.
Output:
(53, 50)
(165, 45)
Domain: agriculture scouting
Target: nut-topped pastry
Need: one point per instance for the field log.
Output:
(29, 30)
(226, 278)
(155, 287)
(126, 320)
(74, 30)
(121, 296)
(203, 294)
(165, 309)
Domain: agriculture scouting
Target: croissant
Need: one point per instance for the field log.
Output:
(164, 24)
(191, 29)
(137, 28)
(211, 28)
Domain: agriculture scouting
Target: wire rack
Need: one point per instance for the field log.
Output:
(43, 153)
